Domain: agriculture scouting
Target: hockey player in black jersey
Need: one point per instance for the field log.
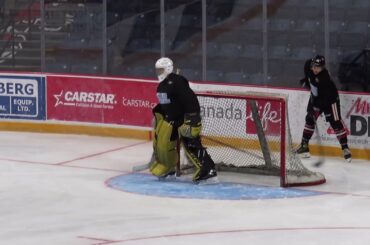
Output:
(324, 99)
(177, 116)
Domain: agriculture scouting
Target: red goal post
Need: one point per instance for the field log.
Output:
(249, 132)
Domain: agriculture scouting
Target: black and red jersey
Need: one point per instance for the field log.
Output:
(323, 89)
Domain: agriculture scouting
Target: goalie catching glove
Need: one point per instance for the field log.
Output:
(192, 125)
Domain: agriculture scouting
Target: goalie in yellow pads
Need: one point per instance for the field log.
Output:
(177, 116)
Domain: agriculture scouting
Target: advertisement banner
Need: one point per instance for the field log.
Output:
(22, 97)
(355, 112)
(224, 117)
(233, 116)
(101, 100)
(270, 115)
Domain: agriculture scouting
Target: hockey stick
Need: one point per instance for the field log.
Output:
(321, 159)
(145, 166)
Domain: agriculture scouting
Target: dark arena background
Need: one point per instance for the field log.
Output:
(257, 42)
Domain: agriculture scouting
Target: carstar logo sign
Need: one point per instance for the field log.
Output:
(101, 100)
(138, 103)
(85, 99)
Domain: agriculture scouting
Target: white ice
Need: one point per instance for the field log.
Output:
(53, 191)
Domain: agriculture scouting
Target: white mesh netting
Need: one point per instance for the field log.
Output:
(237, 142)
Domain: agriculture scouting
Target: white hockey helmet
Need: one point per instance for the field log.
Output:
(163, 67)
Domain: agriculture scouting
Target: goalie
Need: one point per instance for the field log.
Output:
(177, 116)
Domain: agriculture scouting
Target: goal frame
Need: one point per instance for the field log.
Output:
(282, 100)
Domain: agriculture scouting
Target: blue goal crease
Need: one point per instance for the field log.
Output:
(146, 184)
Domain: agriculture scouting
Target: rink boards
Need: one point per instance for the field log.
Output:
(120, 106)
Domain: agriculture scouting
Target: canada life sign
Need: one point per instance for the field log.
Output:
(101, 100)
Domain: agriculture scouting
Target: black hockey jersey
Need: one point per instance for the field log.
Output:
(176, 98)
(323, 89)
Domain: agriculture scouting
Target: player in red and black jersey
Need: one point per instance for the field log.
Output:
(324, 98)
(177, 116)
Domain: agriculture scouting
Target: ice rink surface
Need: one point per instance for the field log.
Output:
(55, 189)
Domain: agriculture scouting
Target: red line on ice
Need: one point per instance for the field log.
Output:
(100, 153)
(222, 232)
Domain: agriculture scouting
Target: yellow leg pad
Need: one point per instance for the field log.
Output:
(195, 161)
(165, 150)
(159, 169)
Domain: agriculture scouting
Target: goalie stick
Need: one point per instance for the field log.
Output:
(147, 165)
(144, 166)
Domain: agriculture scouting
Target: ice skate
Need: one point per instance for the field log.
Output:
(347, 155)
(208, 178)
(303, 151)
(168, 177)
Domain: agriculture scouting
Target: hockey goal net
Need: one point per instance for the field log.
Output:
(250, 133)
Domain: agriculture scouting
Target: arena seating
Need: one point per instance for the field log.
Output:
(295, 32)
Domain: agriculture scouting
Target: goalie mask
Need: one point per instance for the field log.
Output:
(163, 67)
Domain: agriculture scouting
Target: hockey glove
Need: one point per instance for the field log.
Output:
(304, 83)
(192, 125)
